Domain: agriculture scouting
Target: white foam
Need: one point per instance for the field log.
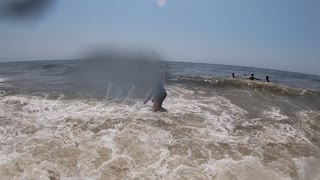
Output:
(248, 168)
(196, 138)
(3, 83)
(4, 80)
(308, 168)
(284, 133)
(275, 114)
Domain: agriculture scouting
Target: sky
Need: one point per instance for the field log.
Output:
(275, 34)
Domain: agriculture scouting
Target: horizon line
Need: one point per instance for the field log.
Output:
(177, 61)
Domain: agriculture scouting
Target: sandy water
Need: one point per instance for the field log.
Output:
(214, 129)
(202, 136)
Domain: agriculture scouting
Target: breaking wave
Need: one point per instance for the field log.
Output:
(53, 126)
(201, 137)
(242, 83)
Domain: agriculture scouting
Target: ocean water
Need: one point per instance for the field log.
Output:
(54, 126)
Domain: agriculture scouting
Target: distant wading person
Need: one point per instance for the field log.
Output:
(233, 76)
(267, 79)
(252, 78)
(158, 94)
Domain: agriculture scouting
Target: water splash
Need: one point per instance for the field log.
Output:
(108, 91)
(130, 92)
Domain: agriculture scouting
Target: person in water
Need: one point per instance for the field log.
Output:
(252, 78)
(158, 94)
(267, 79)
(233, 76)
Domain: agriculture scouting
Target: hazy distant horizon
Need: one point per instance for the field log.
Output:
(173, 61)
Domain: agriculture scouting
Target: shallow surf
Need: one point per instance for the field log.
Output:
(215, 128)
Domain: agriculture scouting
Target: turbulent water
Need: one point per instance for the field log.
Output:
(214, 127)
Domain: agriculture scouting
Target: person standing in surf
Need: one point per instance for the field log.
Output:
(158, 94)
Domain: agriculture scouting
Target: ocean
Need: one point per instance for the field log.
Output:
(69, 120)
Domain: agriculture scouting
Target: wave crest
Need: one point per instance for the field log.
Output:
(239, 83)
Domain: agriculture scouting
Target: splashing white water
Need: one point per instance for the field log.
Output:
(199, 138)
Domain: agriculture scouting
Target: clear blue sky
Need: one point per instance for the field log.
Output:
(276, 34)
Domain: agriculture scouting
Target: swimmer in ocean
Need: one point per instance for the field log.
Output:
(158, 94)
(252, 78)
(267, 79)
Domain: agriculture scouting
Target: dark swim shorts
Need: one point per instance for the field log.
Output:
(160, 98)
